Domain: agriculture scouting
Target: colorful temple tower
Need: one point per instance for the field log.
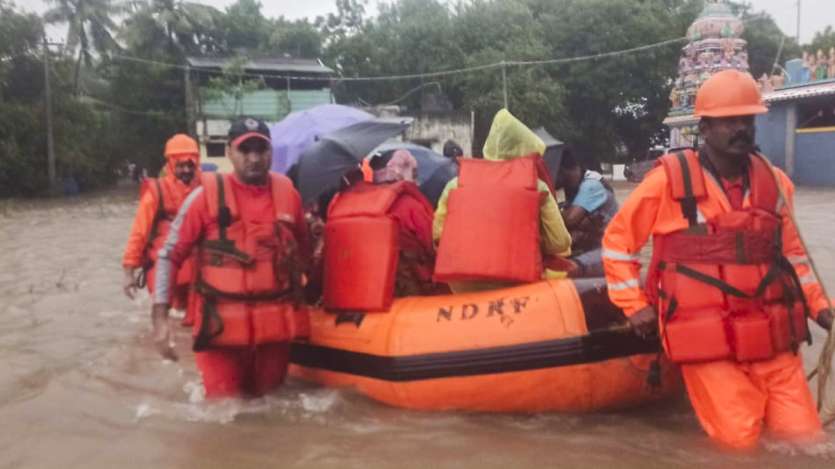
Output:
(715, 44)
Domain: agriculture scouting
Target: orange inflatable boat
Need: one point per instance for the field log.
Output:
(548, 346)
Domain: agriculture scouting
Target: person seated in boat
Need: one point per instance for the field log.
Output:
(498, 223)
(590, 205)
(379, 233)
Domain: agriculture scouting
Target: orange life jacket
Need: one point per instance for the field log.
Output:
(246, 273)
(362, 248)
(492, 227)
(164, 215)
(723, 287)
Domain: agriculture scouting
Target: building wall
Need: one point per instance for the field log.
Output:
(815, 162)
(772, 133)
(271, 105)
(438, 128)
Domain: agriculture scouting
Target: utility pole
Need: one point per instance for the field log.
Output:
(504, 82)
(50, 143)
(190, 125)
(798, 22)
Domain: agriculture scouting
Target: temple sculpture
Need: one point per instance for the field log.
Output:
(715, 44)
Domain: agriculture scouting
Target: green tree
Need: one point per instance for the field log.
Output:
(615, 102)
(298, 38)
(348, 20)
(245, 27)
(823, 40)
(175, 26)
(90, 29)
(767, 44)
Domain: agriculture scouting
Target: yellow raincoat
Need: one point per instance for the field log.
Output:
(509, 138)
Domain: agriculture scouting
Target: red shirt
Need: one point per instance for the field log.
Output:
(735, 191)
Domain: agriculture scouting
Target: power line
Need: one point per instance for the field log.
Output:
(437, 74)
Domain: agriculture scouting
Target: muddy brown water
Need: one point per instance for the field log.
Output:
(80, 386)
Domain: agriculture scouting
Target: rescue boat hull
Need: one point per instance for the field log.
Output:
(549, 346)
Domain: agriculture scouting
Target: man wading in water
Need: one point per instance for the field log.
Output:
(729, 278)
(252, 247)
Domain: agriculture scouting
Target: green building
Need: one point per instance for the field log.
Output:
(278, 86)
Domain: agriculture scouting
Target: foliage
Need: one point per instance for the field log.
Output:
(82, 135)
(90, 28)
(298, 38)
(133, 96)
(244, 26)
(178, 27)
(765, 41)
(823, 40)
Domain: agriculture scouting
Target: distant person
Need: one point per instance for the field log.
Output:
(253, 248)
(498, 222)
(589, 206)
(453, 150)
(159, 202)
(387, 226)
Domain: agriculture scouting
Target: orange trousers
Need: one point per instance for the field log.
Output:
(733, 400)
(243, 371)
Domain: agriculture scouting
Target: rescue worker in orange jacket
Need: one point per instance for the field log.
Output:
(158, 205)
(730, 285)
(252, 245)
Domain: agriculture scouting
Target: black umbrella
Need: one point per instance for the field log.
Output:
(553, 152)
(434, 170)
(322, 165)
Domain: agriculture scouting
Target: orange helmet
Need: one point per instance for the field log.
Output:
(729, 93)
(181, 144)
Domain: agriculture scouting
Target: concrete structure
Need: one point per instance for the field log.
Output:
(433, 129)
(798, 133)
(285, 85)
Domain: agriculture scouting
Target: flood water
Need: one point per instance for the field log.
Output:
(81, 387)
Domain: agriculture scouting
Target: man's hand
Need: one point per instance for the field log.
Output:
(162, 331)
(644, 322)
(825, 319)
(129, 285)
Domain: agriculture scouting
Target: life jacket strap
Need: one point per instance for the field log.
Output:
(224, 215)
(688, 202)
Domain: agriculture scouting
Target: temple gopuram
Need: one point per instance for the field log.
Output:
(715, 44)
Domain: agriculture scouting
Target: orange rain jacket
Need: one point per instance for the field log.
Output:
(140, 249)
(651, 210)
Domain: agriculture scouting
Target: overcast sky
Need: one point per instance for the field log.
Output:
(815, 14)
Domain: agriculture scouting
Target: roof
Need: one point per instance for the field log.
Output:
(272, 64)
(808, 90)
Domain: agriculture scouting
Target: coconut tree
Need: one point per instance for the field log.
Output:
(181, 27)
(90, 28)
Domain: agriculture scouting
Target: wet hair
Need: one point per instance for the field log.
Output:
(324, 201)
(379, 161)
(452, 149)
(569, 161)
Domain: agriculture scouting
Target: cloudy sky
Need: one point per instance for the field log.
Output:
(815, 14)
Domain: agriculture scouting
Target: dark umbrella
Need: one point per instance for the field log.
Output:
(434, 170)
(322, 165)
(553, 152)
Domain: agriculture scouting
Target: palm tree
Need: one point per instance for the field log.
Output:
(90, 28)
(180, 26)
